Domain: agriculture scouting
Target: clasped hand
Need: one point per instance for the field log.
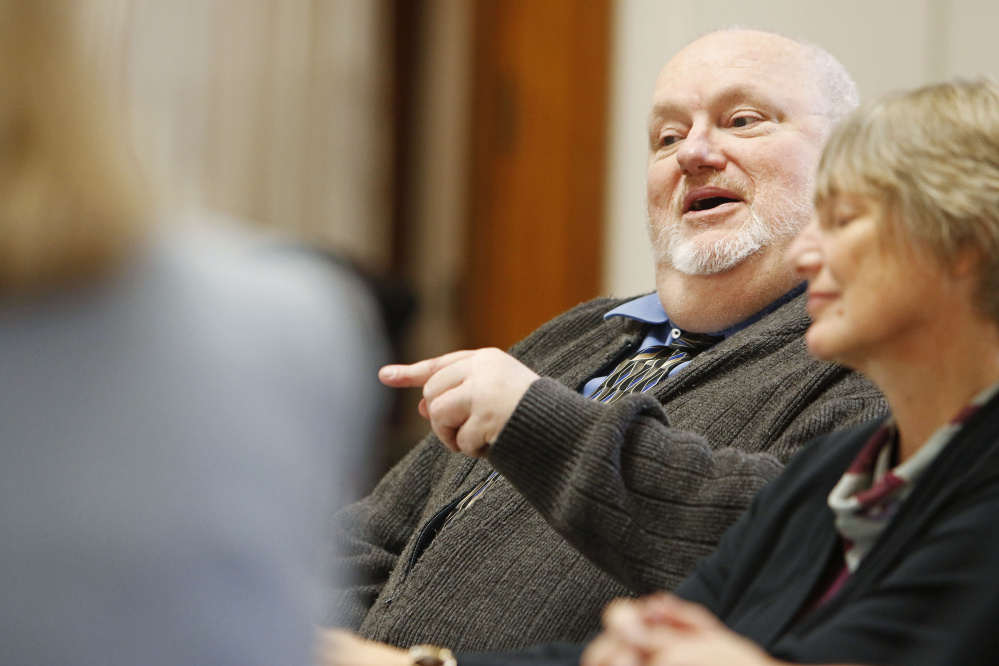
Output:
(663, 630)
(468, 396)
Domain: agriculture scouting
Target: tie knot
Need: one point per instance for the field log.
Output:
(693, 342)
(644, 370)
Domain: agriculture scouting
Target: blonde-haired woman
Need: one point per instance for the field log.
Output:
(171, 403)
(874, 539)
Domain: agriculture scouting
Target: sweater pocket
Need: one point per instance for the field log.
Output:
(430, 531)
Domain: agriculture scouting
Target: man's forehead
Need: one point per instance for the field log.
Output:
(670, 102)
(736, 66)
(738, 46)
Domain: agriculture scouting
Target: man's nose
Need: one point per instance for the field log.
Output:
(804, 255)
(699, 151)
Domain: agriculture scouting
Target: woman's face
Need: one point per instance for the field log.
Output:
(869, 291)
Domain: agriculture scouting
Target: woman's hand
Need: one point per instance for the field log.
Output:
(663, 630)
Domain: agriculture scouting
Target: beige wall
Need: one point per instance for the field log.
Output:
(886, 44)
(275, 111)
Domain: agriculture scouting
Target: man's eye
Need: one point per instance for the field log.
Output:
(742, 121)
(668, 140)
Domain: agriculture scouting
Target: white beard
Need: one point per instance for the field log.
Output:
(694, 256)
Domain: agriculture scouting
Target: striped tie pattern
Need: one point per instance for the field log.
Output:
(644, 370)
(634, 375)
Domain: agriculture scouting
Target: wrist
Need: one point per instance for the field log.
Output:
(431, 655)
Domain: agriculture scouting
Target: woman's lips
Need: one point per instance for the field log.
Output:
(817, 301)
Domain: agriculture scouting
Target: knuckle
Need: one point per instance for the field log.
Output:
(436, 409)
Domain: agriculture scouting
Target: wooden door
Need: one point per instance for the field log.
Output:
(537, 165)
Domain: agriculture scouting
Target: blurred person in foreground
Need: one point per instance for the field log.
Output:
(172, 403)
(580, 488)
(878, 544)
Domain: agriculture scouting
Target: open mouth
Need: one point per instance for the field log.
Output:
(710, 202)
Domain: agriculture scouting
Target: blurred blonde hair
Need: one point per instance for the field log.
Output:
(932, 156)
(71, 201)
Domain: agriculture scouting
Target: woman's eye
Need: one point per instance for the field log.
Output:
(742, 121)
(840, 221)
(668, 140)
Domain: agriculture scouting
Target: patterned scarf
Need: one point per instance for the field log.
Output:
(870, 493)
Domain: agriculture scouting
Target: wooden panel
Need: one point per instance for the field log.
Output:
(538, 160)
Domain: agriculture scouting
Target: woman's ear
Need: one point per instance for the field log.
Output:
(967, 262)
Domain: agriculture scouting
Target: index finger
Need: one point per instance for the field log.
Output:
(417, 374)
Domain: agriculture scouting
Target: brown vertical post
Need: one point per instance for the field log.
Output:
(538, 162)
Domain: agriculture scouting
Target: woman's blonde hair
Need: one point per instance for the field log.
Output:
(932, 156)
(71, 201)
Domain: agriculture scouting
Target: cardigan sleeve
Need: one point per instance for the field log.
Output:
(642, 500)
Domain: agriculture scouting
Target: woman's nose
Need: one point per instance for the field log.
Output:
(804, 255)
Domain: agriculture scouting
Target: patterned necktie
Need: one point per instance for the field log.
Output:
(643, 371)
(634, 375)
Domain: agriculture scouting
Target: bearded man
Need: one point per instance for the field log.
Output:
(608, 452)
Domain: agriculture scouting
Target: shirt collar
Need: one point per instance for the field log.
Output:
(649, 310)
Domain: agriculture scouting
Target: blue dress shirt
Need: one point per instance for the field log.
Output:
(649, 310)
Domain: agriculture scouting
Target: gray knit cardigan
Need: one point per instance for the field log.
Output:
(629, 485)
